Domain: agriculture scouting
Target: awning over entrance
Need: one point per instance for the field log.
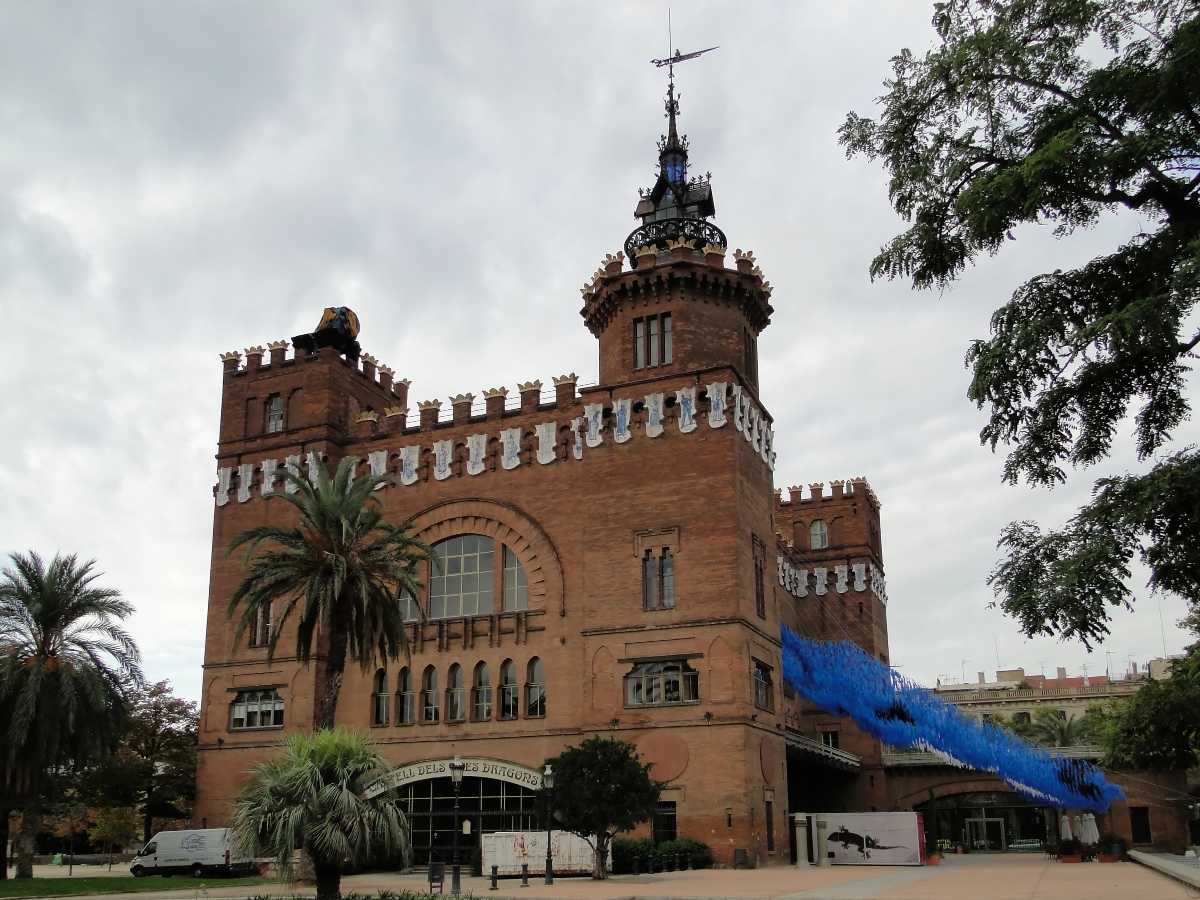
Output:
(818, 752)
(478, 767)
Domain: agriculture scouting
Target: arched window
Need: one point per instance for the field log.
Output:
(481, 693)
(510, 697)
(456, 695)
(653, 683)
(429, 695)
(273, 414)
(818, 535)
(535, 689)
(460, 580)
(380, 698)
(256, 709)
(516, 589)
(406, 701)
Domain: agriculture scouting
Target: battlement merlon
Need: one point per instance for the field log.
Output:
(838, 489)
(258, 363)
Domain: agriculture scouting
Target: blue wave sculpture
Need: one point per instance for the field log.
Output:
(843, 679)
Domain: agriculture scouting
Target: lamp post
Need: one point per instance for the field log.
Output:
(457, 766)
(548, 788)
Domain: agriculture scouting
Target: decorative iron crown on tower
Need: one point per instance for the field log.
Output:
(677, 208)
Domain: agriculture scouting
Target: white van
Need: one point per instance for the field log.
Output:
(203, 851)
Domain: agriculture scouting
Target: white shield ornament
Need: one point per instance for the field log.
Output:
(622, 410)
(292, 464)
(443, 453)
(510, 448)
(224, 482)
(594, 413)
(245, 479)
(654, 415)
(409, 459)
(546, 432)
(378, 460)
(270, 470)
(685, 399)
(717, 404)
(476, 448)
(577, 437)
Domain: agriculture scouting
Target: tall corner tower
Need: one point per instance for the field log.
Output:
(678, 308)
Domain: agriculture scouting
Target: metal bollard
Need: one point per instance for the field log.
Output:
(637, 865)
(495, 876)
(524, 874)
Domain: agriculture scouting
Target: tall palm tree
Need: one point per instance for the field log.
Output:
(341, 572)
(1050, 729)
(311, 795)
(66, 667)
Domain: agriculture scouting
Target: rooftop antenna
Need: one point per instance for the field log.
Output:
(1108, 666)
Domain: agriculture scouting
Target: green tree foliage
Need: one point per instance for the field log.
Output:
(1158, 728)
(340, 573)
(601, 788)
(1059, 112)
(66, 668)
(1050, 729)
(114, 828)
(311, 795)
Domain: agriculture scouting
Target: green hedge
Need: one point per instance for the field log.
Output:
(664, 856)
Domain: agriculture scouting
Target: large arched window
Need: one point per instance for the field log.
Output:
(654, 683)
(456, 695)
(535, 689)
(380, 699)
(429, 695)
(406, 701)
(466, 576)
(256, 709)
(481, 693)
(510, 691)
(818, 535)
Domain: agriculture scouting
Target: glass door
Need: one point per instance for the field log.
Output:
(985, 834)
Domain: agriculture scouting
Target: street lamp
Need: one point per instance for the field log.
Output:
(457, 767)
(548, 788)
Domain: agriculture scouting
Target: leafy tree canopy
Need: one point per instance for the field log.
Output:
(601, 788)
(1058, 112)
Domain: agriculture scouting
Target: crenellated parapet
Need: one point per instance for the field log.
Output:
(590, 428)
(257, 361)
(838, 489)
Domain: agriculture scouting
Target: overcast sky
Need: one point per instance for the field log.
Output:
(180, 179)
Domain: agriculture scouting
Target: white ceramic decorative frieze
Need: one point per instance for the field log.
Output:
(685, 400)
(476, 450)
(802, 582)
(654, 414)
(821, 581)
(577, 437)
(410, 458)
(547, 442)
(735, 404)
(717, 404)
(292, 464)
(750, 424)
(377, 460)
(622, 414)
(245, 479)
(443, 455)
(878, 585)
(860, 576)
(510, 448)
(314, 461)
(843, 573)
(768, 446)
(224, 481)
(270, 470)
(594, 413)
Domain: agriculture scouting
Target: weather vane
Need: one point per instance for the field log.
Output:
(673, 55)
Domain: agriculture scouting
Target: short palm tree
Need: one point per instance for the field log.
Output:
(66, 667)
(311, 796)
(341, 572)
(1050, 729)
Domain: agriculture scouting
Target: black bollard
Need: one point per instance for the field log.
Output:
(687, 861)
(495, 875)
(637, 865)
(524, 874)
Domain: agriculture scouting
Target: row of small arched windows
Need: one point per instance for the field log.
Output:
(426, 702)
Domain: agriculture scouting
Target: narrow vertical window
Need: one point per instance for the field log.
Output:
(667, 575)
(760, 598)
(654, 346)
(260, 625)
(818, 535)
(406, 702)
(380, 698)
(667, 339)
(770, 826)
(535, 689)
(481, 694)
(273, 418)
(639, 344)
(429, 695)
(510, 699)
(649, 581)
(764, 692)
(516, 586)
(456, 695)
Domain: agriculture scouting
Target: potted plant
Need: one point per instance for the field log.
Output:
(1112, 847)
(1070, 851)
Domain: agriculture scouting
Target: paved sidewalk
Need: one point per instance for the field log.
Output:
(973, 877)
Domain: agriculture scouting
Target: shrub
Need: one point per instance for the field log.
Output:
(666, 855)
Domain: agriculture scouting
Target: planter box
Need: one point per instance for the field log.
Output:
(1109, 857)
(933, 859)
(1070, 858)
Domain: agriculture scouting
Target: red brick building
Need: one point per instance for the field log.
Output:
(616, 559)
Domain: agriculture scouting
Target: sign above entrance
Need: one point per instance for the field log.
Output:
(440, 768)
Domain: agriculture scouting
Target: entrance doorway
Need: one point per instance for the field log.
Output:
(986, 834)
(489, 804)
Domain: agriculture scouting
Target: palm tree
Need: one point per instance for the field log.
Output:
(1051, 729)
(341, 572)
(311, 795)
(66, 667)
